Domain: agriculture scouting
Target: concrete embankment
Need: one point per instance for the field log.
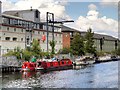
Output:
(10, 64)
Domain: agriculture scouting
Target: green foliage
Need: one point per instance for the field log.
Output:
(47, 54)
(89, 42)
(26, 55)
(17, 51)
(52, 44)
(77, 45)
(35, 49)
(64, 51)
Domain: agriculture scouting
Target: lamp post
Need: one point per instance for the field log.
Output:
(47, 25)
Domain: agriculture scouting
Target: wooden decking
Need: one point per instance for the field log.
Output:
(9, 68)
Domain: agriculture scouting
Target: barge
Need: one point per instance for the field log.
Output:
(47, 65)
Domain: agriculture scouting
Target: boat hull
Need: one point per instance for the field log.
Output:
(58, 68)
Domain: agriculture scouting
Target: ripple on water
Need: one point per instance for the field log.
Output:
(104, 75)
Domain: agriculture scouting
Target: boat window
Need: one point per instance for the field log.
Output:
(51, 64)
(67, 62)
(39, 63)
(62, 62)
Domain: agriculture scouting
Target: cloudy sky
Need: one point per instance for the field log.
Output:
(100, 15)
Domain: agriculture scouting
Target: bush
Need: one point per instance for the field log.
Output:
(26, 55)
(16, 52)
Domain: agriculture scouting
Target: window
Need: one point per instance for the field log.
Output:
(14, 29)
(41, 26)
(36, 13)
(27, 40)
(33, 31)
(62, 62)
(7, 50)
(7, 38)
(43, 32)
(59, 41)
(56, 34)
(14, 39)
(38, 32)
(21, 39)
(8, 28)
(0, 38)
(21, 30)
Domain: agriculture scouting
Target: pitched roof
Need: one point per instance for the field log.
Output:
(96, 35)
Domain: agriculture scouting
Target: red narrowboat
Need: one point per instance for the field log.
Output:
(47, 65)
(28, 66)
(54, 65)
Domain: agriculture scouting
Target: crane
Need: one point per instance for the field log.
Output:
(52, 21)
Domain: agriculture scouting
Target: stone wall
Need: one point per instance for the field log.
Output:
(10, 61)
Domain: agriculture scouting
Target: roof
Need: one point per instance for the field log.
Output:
(107, 37)
(15, 17)
(96, 35)
(68, 29)
(15, 12)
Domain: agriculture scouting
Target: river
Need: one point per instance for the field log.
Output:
(103, 75)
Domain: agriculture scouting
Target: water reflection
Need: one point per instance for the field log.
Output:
(26, 75)
(103, 75)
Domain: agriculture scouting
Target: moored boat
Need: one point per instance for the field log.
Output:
(28, 66)
(84, 60)
(47, 65)
(54, 65)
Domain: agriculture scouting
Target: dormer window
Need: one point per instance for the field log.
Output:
(36, 13)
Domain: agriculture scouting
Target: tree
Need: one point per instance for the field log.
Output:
(35, 48)
(89, 42)
(26, 55)
(77, 45)
(52, 44)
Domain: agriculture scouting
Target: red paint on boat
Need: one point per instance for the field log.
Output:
(28, 66)
(44, 65)
(56, 64)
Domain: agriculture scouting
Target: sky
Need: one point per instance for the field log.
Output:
(100, 15)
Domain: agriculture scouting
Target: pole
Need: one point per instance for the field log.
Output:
(53, 26)
(47, 29)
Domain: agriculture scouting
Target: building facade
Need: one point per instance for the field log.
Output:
(101, 42)
(18, 30)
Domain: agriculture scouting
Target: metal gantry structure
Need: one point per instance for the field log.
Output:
(52, 22)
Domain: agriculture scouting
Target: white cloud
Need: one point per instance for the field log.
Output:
(6, 5)
(101, 25)
(92, 15)
(53, 6)
(92, 7)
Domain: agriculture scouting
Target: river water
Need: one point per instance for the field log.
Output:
(103, 75)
